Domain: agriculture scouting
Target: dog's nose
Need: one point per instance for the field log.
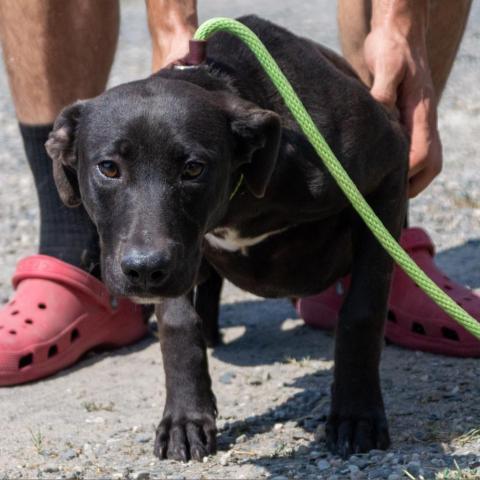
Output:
(146, 269)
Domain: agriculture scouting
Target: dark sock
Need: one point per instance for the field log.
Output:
(65, 233)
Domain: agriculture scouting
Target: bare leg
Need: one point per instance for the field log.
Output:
(354, 25)
(56, 51)
(172, 24)
(447, 22)
(446, 25)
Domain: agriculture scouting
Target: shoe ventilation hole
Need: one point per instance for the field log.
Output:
(12, 332)
(52, 351)
(450, 334)
(29, 321)
(467, 299)
(42, 306)
(418, 328)
(1, 326)
(25, 361)
(391, 316)
(74, 335)
(15, 312)
(447, 287)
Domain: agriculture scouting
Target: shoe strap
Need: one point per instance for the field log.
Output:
(53, 269)
(416, 238)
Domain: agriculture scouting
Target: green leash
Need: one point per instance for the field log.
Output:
(336, 170)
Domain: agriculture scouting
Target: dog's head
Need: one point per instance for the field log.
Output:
(154, 163)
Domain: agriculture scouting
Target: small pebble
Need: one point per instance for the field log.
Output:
(255, 381)
(360, 462)
(142, 475)
(50, 468)
(68, 454)
(394, 476)
(241, 438)
(143, 438)
(225, 458)
(111, 441)
(323, 465)
(357, 475)
(413, 468)
(227, 378)
(438, 462)
(88, 450)
(95, 420)
(77, 470)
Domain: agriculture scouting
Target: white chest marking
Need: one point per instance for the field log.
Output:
(229, 239)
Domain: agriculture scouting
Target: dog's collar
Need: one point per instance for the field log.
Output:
(237, 188)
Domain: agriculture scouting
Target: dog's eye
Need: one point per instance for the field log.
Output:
(109, 169)
(192, 170)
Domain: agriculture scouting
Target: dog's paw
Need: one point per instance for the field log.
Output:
(348, 435)
(187, 437)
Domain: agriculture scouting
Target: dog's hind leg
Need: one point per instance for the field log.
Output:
(207, 303)
(357, 421)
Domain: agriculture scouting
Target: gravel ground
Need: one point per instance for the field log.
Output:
(272, 376)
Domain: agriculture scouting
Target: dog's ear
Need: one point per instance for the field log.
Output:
(61, 148)
(257, 135)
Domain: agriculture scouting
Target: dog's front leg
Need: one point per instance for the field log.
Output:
(357, 421)
(187, 429)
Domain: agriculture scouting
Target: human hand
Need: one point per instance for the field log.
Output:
(395, 55)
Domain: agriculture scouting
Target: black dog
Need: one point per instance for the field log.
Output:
(155, 163)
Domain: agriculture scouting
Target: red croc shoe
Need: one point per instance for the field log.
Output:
(414, 320)
(58, 313)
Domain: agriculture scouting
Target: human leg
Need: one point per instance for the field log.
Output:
(446, 25)
(55, 53)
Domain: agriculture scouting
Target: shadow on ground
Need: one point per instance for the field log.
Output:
(265, 341)
(462, 263)
(308, 409)
(264, 323)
